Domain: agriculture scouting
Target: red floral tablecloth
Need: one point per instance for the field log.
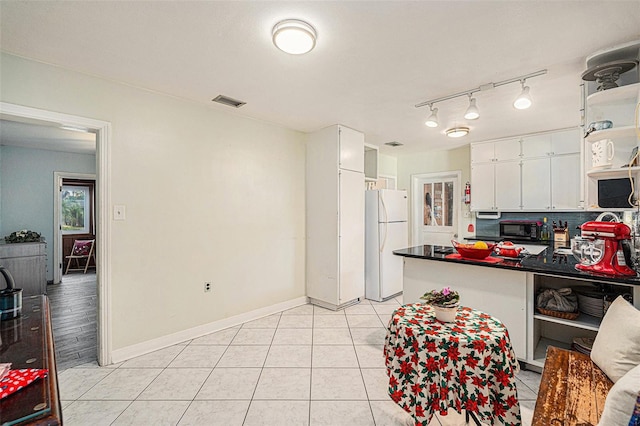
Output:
(468, 365)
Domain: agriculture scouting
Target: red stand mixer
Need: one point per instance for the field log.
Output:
(604, 248)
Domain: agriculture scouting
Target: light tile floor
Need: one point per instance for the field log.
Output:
(303, 366)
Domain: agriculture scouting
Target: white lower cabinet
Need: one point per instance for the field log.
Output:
(499, 292)
(510, 296)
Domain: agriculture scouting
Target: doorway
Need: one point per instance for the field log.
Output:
(435, 207)
(102, 131)
(74, 216)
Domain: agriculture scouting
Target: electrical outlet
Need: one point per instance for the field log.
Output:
(207, 287)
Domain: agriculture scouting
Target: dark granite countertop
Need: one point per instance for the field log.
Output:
(545, 263)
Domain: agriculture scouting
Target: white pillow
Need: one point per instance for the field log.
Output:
(621, 400)
(616, 349)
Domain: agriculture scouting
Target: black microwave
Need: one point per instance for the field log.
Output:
(526, 230)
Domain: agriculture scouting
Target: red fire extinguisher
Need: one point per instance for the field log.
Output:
(467, 193)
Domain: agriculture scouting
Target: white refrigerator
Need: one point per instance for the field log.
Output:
(385, 231)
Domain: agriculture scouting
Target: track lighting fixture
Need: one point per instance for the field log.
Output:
(432, 121)
(523, 101)
(472, 112)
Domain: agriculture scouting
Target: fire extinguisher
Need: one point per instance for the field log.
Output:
(467, 193)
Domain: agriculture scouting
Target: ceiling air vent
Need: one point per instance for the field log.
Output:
(394, 144)
(225, 100)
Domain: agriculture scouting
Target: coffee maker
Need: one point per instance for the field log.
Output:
(604, 248)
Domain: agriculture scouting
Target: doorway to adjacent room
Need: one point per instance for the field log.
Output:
(435, 207)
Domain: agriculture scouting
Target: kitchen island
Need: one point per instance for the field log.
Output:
(506, 289)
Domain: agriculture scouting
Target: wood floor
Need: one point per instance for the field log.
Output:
(73, 316)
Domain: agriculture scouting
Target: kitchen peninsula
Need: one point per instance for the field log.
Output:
(506, 289)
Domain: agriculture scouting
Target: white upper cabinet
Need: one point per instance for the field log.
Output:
(565, 182)
(351, 149)
(495, 151)
(483, 186)
(550, 144)
(532, 172)
(507, 176)
(495, 186)
(507, 150)
(482, 153)
(566, 142)
(536, 184)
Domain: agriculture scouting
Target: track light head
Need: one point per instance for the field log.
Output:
(523, 101)
(472, 112)
(432, 121)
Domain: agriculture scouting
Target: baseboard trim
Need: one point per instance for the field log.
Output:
(128, 352)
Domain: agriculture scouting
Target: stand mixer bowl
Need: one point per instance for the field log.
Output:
(587, 251)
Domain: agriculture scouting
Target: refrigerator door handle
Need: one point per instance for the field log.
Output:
(386, 222)
(384, 239)
(384, 209)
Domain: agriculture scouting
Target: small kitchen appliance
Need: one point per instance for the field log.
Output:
(604, 248)
(10, 298)
(508, 249)
(521, 230)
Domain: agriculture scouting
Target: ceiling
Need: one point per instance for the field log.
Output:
(374, 60)
(42, 136)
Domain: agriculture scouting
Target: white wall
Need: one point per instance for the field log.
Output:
(387, 165)
(209, 196)
(437, 161)
(26, 189)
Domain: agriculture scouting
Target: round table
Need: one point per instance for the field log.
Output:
(467, 365)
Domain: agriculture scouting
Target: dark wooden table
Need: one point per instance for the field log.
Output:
(27, 342)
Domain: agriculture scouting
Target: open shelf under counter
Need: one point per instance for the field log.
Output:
(612, 133)
(625, 93)
(540, 352)
(584, 321)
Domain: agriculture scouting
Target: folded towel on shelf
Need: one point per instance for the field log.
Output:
(561, 300)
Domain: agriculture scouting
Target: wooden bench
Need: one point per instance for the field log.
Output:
(572, 390)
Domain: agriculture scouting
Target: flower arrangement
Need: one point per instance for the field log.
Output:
(23, 236)
(445, 298)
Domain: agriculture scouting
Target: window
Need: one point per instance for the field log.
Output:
(76, 209)
(438, 203)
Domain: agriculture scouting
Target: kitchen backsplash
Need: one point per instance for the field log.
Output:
(490, 227)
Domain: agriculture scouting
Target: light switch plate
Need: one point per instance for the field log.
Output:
(119, 212)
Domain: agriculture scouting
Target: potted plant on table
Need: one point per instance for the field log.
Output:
(445, 303)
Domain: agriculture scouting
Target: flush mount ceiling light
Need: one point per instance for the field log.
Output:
(457, 132)
(294, 36)
(472, 112)
(523, 101)
(432, 121)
